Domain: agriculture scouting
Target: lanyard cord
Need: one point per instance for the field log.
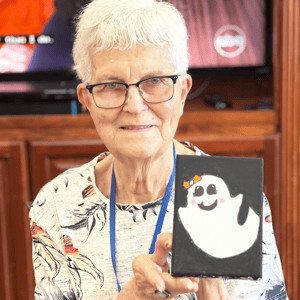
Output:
(159, 223)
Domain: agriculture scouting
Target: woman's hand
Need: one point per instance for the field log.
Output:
(212, 289)
(151, 274)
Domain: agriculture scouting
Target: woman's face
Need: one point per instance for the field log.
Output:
(137, 129)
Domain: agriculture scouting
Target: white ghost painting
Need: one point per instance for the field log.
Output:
(211, 218)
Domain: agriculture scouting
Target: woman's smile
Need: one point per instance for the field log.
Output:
(136, 128)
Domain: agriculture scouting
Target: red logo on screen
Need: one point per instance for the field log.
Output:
(230, 41)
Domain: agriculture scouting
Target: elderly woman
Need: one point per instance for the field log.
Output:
(95, 228)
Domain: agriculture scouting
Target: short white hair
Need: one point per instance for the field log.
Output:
(122, 24)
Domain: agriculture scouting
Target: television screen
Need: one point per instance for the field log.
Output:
(37, 35)
(228, 34)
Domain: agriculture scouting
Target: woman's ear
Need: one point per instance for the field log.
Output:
(186, 85)
(83, 95)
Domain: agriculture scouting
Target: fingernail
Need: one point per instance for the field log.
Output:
(159, 288)
(190, 285)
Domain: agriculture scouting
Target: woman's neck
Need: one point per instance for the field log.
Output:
(138, 181)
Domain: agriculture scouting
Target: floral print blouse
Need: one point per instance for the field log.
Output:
(71, 242)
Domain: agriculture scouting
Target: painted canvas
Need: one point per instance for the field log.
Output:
(218, 217)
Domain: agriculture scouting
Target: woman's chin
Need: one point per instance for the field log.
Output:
(141, 148)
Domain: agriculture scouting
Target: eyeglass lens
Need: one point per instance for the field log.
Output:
(153, 90)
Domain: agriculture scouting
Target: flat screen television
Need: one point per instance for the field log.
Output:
(226, 37)
(36, 39)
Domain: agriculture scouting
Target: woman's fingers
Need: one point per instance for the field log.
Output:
(150, 272)
(163, 246)
(174, 286)
(147, 271)
(150, 277)
(180, 285)
(212, 288)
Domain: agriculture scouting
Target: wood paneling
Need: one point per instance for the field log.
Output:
(286, 80)
(194, 121)
(6, 272)
(50, 158)
(225, 123)
(16, 274)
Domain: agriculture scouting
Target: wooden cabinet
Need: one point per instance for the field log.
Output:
(50, 158)
(29, 158)
(16, 278)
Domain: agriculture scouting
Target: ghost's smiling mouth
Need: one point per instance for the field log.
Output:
(208, 207)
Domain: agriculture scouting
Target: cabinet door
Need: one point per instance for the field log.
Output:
(16, 274)
(266, 147)
(50, 158)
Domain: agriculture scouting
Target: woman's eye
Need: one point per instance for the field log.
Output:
(112, 85)
(211, 189)
(199, 191)
(154, 80)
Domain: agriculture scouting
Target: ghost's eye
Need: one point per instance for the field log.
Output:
(211, 189)
(199, 191)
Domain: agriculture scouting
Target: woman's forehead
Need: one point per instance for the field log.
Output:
(136, 62)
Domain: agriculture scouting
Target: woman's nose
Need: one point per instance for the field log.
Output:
(134, 102)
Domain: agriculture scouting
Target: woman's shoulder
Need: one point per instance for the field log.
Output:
(65, 190)
(187, 148)
(69, 177)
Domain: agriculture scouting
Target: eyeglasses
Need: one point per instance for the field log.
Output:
(153, 90)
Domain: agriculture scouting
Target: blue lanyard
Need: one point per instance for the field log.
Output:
(159, 223)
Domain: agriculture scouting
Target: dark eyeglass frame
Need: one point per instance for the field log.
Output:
(137, 84)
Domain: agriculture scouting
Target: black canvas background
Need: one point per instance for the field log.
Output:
(242, 176)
